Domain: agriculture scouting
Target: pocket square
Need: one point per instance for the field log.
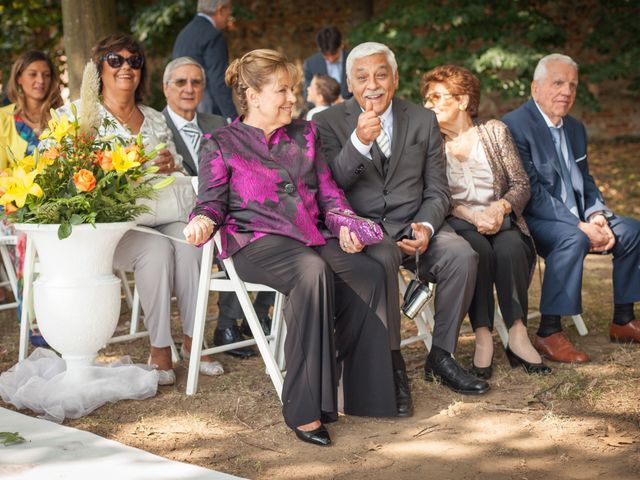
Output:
(584, 157)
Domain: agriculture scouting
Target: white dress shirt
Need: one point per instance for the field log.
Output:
(180, 122)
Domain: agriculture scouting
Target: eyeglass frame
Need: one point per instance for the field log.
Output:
(443, 96)
(121, 60)
(195, 82)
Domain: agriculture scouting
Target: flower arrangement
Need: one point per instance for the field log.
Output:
(77, 176)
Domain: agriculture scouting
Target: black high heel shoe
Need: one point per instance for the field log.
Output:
(483, 373)
(530, 368)
(319, 436)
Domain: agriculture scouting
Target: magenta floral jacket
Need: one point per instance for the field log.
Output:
(252, 188)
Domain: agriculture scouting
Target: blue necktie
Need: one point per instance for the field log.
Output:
(193, 133)
(568, 194)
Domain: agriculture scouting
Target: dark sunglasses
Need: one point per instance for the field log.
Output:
(116, 61)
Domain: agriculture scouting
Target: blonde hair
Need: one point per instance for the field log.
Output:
(14, 91)
(254, 70)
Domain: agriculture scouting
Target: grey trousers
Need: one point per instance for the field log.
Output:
(335, 315)
(451, 263)
(162, 267)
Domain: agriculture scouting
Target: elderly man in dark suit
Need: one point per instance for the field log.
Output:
(387, 155)
(566, 213)
(184, 83)
(330, 60)
(202, 40)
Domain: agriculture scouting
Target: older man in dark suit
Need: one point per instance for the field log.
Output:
(566, 213)
(202, 40)
(387, 155)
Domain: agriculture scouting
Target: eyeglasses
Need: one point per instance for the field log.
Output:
(182, 82)
(437, 97)
(116, 61)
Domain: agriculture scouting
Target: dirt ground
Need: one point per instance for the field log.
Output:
(581, 422)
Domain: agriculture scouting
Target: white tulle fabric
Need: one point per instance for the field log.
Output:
(42, 384)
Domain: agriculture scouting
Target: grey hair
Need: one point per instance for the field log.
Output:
(178, 62)
(211, 6)
(371, 48)
(541, 69)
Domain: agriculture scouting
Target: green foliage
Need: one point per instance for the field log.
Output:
(500, 41)
(616, 40)
(36, 24)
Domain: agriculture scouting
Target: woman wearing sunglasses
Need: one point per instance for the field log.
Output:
(160, 266)
(489, 190)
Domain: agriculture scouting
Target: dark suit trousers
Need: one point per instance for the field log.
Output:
(504, 260)
(564, 247)
(322, 283)
(450, 263)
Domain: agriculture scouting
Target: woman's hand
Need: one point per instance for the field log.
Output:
(490, 219)
(164, 161)
(349, 241)
(199, 230)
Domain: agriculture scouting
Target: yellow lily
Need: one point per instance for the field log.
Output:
(20, 187)
(124, 159)
(59, 128)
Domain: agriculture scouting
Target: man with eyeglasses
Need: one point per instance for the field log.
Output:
(566, 214)
(184, 84)
(387, 155)
(202, 40)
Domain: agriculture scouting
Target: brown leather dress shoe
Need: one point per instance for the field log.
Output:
(625, 333)
(558, 348)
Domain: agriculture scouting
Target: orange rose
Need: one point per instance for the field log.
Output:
(84, 180)
(104, 160)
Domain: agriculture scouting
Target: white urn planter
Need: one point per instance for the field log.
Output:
(76, 295)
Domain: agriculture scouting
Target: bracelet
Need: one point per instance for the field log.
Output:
(205, 219)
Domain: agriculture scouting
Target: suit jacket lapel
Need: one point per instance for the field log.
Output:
(543, 135)
(353, 112)
(400, 126)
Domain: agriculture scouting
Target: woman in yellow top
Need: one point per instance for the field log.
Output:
(34, 89)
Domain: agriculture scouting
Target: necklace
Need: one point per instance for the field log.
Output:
(123, 121)
(34, 124)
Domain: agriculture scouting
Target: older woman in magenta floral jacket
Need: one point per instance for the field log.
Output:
(265, 185)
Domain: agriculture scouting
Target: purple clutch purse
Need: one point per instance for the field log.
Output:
(368, 231)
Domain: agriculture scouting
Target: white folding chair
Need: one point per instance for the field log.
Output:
(424, 320)
(9, 271)
(270, 347)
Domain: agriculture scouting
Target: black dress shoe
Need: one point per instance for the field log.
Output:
(403, 393)
(226, 336)
(265, 323)
(319, 436)
(530, 368)
(447, 370)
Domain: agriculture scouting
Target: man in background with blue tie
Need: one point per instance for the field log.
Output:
(566, 213)
(184, 83)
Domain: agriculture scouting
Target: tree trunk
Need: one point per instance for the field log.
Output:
(84, 23)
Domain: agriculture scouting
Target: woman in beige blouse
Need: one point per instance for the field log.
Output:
(489, 190)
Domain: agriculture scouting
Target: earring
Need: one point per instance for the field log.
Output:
(462, 107)
(20, 90)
